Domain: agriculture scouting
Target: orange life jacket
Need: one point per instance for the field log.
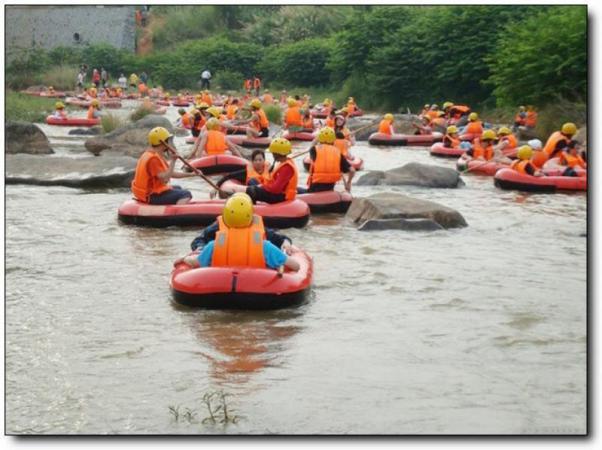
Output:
(91, 110)
(553, 140)
(385, 127)
(201, 123)
(186, 120)
(231, 111)
(330, 122)
(293, 117)
(566, 159)
(308, 123)
(539, 158)
(207, 99)
(343, 146)
(142, 88)
(520, 166)
(432, 114)
(518, 119)
(263, 120)
(512, 141)
(439, 121)
(242, 247)
(262, 177)
(267, 98)
(256, 83)
(327, 166)
(475, 127)
(458, 111)
(455, 142)
(531, 119)
(143, 184)
(290, 190)
(479, 152)
(351, 107)
(216, 143)
(247, 85)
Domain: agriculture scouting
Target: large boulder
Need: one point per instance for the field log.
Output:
(88, 172)
(581, 136)
(130, 140)
(92, 131)
(383, 211)
(414, 174)
(25, 137)
(369, 125)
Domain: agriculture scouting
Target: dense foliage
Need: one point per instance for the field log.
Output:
(385, 56)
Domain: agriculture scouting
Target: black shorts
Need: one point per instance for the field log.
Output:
(169, 197)
(265, 132)
(259, 194)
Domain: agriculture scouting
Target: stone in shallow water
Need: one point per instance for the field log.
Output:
(414, 174)
(25, 137)
(400, 224)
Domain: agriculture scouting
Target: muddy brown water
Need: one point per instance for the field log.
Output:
(474, 330)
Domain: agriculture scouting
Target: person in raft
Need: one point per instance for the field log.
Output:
(257, 172)
(327, 165)
(93, 110)
(519, 119)
(475, 126)
(199, 119)
(508, 141)
(451, 139)
(213, 142)
(572, 160)
(59, 111)
(524, 164)
(482, 149)
(241, 240)
(293, 120)
(282, 183)
(150, 183)
(259, 124)
(425, 128)
(185, 120)
(386, 125)
(560, 140)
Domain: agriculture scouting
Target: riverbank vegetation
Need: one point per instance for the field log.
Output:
(28, 108)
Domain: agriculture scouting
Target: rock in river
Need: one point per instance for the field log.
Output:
(383, 211)
(88, 172)
(414, 174)
(25, 137)
(130, 140)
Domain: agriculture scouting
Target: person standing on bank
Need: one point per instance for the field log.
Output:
(206, 79)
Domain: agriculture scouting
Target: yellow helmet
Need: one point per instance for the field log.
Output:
(255, 103)
(569, 129)
(521, 108)
(215, 112)
(51, 88)
(447, 105)
(59, 105)
(343, 110)
(212, 124)
(389, 117)
(488, 135)
(504, 131)
(291, 101)
(524, 152)
(440, 114)
(452, 129)
(426, 118)
(427, 106)
(158, 135)
(95, 102)
(202, 105)
(326, 136)
(473, 116)
(326, 101)
(280, 146)
(350, 99)
(238, 211)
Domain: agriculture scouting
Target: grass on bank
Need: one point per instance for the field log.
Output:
(28, 108)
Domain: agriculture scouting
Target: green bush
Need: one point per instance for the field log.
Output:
(228, 80)
(28, 108)
(273, 113)
(60, 77)
(300, 64)
(110, 122)
(140, 113)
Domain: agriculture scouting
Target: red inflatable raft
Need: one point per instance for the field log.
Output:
(327, 201)
(479, 167)
(511, 179)
(242, 287)
(244, 141)
(219, 164)
(112, 104)
(552, 167)
(438, 149)
(356, 162)
(72, 122)
(183, 104)
(163, 102)
(319, 114)
(203, 212)
(404, 139)
(304, 135)
(56, 94)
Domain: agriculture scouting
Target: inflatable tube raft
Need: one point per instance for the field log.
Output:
(304, 135)
(56, 94)
(356, 162)
(511, 179)
(327, 201)
(404, 139)
(163, 102)
(358, 112)
(242, 287)
(438, 149)
(478, 167)
(113, 104)
(552, 167)
(219, 164)
(182, 104)
(319, 114)
(203, 212)
(72, 122)
(244, 141)
(236, 129)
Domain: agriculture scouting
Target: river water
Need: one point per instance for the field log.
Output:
(473, 330)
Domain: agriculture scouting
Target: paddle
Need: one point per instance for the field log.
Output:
(364, 127)
(194, 169)
(480, 165)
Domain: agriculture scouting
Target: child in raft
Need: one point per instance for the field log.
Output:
(425, 128)
(237, 222)
(256, 173)
(213, 142)
(524, 164)
(386, 125)
(451, 139)
(59, 112)
(572, 160)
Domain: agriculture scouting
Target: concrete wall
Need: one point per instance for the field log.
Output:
(53, 26)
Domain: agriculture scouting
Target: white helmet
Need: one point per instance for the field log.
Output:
(535, 144)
